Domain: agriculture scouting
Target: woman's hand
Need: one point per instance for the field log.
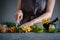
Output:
(27, 24)
(19, 16)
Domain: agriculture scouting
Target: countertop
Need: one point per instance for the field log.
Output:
(30, 36)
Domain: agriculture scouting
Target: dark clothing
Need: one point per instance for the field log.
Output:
(32, 9)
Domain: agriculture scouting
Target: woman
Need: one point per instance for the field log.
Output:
(30, 12)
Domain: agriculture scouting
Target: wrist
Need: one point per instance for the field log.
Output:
(18, 10)
(32, 22)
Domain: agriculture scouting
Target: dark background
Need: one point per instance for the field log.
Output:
(8, 8)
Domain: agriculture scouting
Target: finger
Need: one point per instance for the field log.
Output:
(17, 17)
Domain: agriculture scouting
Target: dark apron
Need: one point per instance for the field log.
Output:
(32, 9)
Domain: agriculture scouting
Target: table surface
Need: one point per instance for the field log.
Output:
(29, 36)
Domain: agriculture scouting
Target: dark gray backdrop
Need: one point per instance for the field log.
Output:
(8, 8)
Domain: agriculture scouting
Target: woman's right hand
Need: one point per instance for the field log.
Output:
(19, 16)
